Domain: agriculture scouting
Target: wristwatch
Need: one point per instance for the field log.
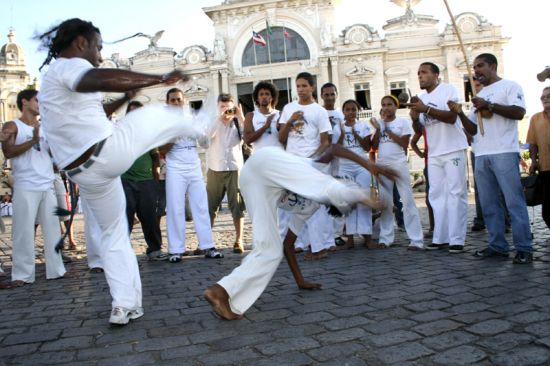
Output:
(490, 106)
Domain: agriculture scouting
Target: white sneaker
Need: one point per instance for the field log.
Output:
(121, 316)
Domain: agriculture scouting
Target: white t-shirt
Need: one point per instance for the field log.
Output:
(390, 151)
(32, 170)
(271, 136)
(183, 155)
(501, 134)
(304, 136)
(350, 142)
(443, 138)
(72, 121)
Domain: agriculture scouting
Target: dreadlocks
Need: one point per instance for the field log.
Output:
(61, 36)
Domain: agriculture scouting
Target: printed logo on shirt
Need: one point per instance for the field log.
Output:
(334, 120)
(429, 120)
(298, 126)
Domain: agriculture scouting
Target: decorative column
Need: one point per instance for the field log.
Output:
(225, 81)
(215, 82)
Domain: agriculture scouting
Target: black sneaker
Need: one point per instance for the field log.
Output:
(339, 242)
(437, 246)
(174, 258)
(489, 253)
(212, 253)
(157, 255)
(456, 248)
(523, 257)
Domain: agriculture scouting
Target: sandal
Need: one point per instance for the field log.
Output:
(174, 258)
(238, 248)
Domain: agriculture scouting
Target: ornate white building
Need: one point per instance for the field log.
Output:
(300, 35)
(13, 77)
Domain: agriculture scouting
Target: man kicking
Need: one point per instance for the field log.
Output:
(265, 180)
(94, 152)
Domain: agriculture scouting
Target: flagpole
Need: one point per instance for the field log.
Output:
(286, 78)
(284, 41)
(268, 47)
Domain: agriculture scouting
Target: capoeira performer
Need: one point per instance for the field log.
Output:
(184, 176)
(392, 139)
(266, 180)
(355, 136)
(94, 152)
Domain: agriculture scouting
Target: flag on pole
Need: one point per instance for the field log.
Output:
(257, 38)
(268, 28)
(285, 33)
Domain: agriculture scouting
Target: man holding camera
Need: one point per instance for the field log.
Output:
(224, 160)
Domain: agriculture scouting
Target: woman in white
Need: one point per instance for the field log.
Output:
(392, 139)
(355, 136)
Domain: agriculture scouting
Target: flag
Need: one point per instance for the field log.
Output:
(285, 33)
(267, 27)
(257, 38)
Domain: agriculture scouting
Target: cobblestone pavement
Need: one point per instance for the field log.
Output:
(377, 307)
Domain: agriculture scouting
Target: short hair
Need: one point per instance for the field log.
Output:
(353, 101)
(329, 85)
(225, 97)
(61, 36)
(489, 58)
(133, 103)
(173, 90)
(267, 86)
(307, 77)
(26, 94)
(433, 67)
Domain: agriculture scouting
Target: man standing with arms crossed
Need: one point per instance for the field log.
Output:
(501, 103)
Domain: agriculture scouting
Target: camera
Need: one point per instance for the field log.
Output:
(231, 111)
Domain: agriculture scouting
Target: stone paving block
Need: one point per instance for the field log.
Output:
(523, 355)
(212, 335)
(229, 357)
(428, 305)
(505, 341)
(270, 314)
(470, 307)
(158, 344)
(320, 316)
(135, 359)
(185, 352)
(490, 327)
(463, 355)
(31, 337)
(430, 316)
(449, 339)
(436, 327)
(339, 351)
(343, 323)
(530, 317)
(453, 290)
(67, 343)
(340, 335)
(291, 331)
(389, 325)
(348, 361)
(391, 338)
(286, 359)
(402, 352)
(240, 341)
(287, 344)
(95, 353)
(122, 335)
(461, 298)
(46, 358)
(422, 296)
(541, 329)
(17, 350)
(347, 311)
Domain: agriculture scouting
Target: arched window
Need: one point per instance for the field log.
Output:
(283, 44)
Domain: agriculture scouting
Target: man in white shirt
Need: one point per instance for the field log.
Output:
(304, 132)
(95, 152)
(33, 192)
(447, 158)
(224, 159)
(501, 104)
(260, 126)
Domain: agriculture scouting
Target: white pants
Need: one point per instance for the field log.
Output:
(100, 186)
(60, 195)
(449, 197)
(27, 207)
(359, 221)
(178, 183)
(92, 232)
(318, 231)
(263, 179)
(411, 217)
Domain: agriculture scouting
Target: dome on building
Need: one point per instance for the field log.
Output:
(11, 53)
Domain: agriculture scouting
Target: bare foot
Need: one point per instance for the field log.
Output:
(219, 300)
(368, 241)
(96, 270)
(72, 245)
(18, 283)
(349, 242)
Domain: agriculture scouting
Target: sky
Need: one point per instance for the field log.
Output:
(185, 24)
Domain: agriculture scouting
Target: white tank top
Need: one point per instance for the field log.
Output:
(271, 136)
(32, 170)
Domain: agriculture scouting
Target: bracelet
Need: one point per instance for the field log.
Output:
(428, 111)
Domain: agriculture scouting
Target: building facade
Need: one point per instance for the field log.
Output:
(300, 35)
